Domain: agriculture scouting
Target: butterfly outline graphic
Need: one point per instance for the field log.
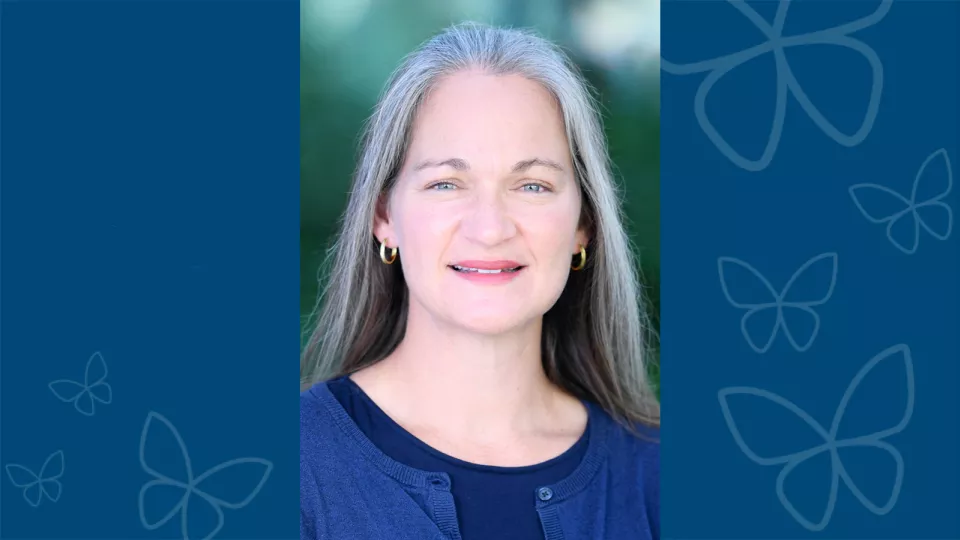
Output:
(779, 302)
(36, 486)
(84, 396)
(911, 208)
(786, 81)
(191, 485)
(830, 442)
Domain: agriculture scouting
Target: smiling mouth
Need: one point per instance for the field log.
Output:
(468, 270)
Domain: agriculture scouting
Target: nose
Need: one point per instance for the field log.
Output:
(488, 221)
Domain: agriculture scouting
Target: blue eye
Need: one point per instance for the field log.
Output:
(537, 188)
(437, 186)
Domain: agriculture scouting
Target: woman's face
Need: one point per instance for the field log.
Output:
(487, 186)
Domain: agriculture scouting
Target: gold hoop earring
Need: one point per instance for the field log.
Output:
(383, 252)
(583, 259)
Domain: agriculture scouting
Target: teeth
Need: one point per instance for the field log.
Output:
(483, 271)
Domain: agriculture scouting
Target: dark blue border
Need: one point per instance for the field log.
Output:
(149, 219)
(809, 263)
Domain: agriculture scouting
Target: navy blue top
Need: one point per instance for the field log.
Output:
(492, 502)
(350, 488)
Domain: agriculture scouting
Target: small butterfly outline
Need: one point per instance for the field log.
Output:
(779, 301)
(910, 212)
(787, 82)
(94, 387)
(831, 443)
(189, 484)
(37, 486)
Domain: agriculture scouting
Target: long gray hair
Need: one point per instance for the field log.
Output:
(595, 338)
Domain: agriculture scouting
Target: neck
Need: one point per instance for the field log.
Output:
(477, 386)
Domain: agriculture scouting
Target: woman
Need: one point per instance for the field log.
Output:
(477, 367)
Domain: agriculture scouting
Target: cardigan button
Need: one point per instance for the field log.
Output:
(545, 494)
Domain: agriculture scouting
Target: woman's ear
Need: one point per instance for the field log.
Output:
(382, 224)
(581, 240)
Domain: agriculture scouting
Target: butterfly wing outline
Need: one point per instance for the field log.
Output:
(935, 202)
(161, 481)
(786, 82)
(718, 68)
(779, 301)
(201, 487)
(94, 388)
(53, 468)
(805, 307)
(903, 210)
(875, 440)
(235, 500)
(34, 486)
(907, 213)
(831, 505)
(762, 343)
(95, 378)
(66, 390)
(27, 480)
(830, 442)
(789, 461)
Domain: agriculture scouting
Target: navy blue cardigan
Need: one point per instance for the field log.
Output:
(349, 489)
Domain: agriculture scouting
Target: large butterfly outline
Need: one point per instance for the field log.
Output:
(94, 387)
(199, 494)
(786, 81)
(832, 442)
(779, 307)
(37, 486)
(905, 216)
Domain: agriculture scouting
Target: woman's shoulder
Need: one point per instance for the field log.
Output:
(310, 397)
(635, 453)
(318, 423)
(633, 444)
(641, 441)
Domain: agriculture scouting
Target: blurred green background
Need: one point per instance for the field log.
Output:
(349, 47)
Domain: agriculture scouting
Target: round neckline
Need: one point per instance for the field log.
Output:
(593, 458)
(577, 446)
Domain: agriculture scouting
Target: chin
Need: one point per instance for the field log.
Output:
(492, 323)
(483, 314)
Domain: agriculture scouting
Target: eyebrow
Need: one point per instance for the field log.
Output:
(462, 165)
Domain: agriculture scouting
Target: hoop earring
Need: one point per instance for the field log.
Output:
(583, 259)
(383, 252)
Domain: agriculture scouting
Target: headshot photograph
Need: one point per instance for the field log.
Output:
(480, 270)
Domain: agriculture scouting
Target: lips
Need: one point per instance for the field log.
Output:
(486, 267)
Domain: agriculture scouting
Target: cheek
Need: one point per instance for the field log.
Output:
(425, 234)
(551, 232)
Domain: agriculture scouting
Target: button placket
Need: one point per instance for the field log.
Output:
(443, 506)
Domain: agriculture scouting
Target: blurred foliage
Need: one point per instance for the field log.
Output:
(348, 49)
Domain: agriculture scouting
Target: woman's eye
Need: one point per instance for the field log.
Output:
(535, 188)
(443, 186)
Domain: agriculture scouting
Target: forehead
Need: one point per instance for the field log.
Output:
(482, 117)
